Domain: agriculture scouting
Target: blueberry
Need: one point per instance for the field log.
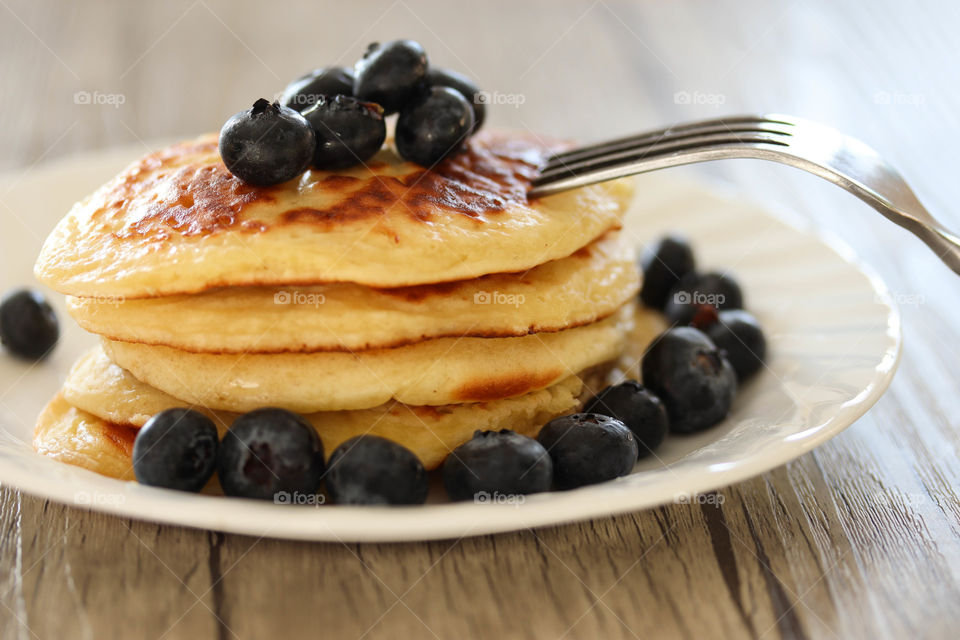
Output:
(302, 93)
(738, 334)
(696, 383)
(638, 408)
(391, 74)
(28, 325)
(348, 131)
(695, 289)
(588, 448)
(176, 449)
(663, 264)
(369, 469)
(270, 451)
(267, 144)
(465, 87)
(497, 462)
(433, 126)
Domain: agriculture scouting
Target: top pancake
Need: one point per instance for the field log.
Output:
(178, 222)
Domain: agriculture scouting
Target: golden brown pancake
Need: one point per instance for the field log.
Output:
(100, 403)
(76, 437)
(561, 294)
(431, 372)
(178, 222)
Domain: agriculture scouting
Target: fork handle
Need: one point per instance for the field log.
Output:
(901, 205)
(944, 243)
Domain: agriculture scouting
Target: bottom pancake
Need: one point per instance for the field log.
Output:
(76, 437)
(100, 400)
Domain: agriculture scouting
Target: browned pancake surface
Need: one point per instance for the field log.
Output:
(177, 221)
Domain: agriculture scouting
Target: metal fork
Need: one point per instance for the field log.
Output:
(813, 147)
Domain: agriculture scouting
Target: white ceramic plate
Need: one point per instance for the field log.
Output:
(834, 340)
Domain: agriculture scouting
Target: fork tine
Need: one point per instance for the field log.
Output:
(667, 145)
(670, 137)
(718, 125)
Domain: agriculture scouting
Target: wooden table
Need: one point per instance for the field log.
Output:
(856, 539)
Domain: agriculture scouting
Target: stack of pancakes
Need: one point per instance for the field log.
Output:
(418, 305)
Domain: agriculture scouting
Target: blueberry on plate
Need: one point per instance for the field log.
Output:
(369, 469)
(176, 449)
(738, 334)
(28, 325)
(465, 87)
(588, 448)
(663, 264)
(267, 144)
(638, 408)
(270, 451)
(348, 131)
(694, 290)
(433, 126)
(692, 378)
(302, 93)
(501, 463)
(391, 74)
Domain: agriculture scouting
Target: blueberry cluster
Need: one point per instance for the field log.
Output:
(269, 453)
(690, 377)
(713, 345)
(273, 454)
(570, 451)
(333, 117)
(622, 423)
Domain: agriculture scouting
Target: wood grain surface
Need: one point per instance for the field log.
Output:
(857, 539)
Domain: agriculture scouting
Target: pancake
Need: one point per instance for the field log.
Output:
(178, 222)
(99, 397)
(93, 421)
(98, 386)
(76, 437)
(569, 292)
(432, 372)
